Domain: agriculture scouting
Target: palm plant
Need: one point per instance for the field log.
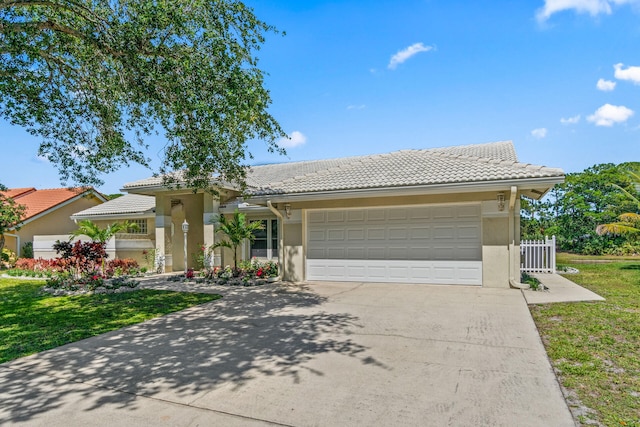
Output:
(236, 231)
(90, 229)
(629, 222)
(101, 235)
(628, 225)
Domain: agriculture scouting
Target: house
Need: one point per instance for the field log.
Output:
(136, 209)
(442, 216)
(47, 212)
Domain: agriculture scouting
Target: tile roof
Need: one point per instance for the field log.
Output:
(127, 204)
(458, 164)
(470, 163)
(40, 201)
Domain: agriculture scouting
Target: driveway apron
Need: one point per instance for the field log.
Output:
(318, 354)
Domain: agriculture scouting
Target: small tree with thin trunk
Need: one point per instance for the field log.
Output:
(236, 230)
(11, 213)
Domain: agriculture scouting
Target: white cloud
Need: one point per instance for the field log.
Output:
(571, 120)
(539, 133)
(608, 115)
(605, 85)
(407, 53)
(356, 107)
(592, 7)
(630, 73)
(295, 139)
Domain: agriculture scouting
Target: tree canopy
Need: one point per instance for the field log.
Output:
(572, 211)
(94, 78)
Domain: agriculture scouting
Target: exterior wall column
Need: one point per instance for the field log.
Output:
(209, 219)
(164, 250)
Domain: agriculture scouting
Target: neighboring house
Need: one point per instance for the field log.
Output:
(442, 216)
(134, 208)
(48, 211)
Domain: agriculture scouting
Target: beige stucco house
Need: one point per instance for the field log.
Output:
(48, 211)
(136, 209)
(442, 216)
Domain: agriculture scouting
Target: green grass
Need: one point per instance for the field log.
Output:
(595, 346)
(31, 321)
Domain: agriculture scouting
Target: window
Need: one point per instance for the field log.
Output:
(265, 244)
(141, 226)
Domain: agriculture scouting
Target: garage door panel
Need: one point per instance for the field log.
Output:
(468, 211)
(316, 217)
(376, 234)
(374, 215)
(444, 232)
(420, 232)
(357, 215)
(376, 253)
(392, 271)
(417, 244)
(398, 253)
(336, 253)
(335, 234)
(470, 232)
(398, 233)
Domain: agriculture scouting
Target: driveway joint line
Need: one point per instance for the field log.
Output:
(144, 396)
(438, 340)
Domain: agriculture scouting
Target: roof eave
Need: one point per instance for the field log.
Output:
(542, 185)
(116, 216)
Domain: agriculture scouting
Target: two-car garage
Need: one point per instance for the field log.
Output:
(438, 244)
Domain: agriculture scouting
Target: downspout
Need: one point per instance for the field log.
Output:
(17, 243)
(282, 263)
(512, 244)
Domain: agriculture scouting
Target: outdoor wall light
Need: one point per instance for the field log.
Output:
(185, 230)
(500, 201)
(287, 210)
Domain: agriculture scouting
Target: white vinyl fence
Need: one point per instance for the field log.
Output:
(538, 256)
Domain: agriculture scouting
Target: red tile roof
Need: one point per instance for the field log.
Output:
(39, 201)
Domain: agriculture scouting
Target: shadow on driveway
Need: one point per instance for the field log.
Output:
(267, 331)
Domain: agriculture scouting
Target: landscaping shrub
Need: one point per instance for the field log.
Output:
(7, 258)
(27, 250)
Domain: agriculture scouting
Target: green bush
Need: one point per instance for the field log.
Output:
(27, 250)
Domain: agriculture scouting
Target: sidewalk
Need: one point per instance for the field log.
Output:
(560, 289)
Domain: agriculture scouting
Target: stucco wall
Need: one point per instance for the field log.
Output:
(57, 221)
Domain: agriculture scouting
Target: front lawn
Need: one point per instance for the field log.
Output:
(595, 346)
(31, 321)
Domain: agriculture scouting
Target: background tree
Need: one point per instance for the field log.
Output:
(11, 213)
(93, 78)
(628, 223)
(236, 230)
(573, 210)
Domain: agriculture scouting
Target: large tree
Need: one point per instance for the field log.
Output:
(574, 209)
(94, 78)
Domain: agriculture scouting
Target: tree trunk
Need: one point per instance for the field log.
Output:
(1, 243)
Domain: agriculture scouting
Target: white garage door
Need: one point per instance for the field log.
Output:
(417, 244)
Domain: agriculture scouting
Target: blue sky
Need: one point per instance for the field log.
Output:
(560, 78)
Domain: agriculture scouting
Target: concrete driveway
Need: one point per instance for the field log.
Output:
(330, 354)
